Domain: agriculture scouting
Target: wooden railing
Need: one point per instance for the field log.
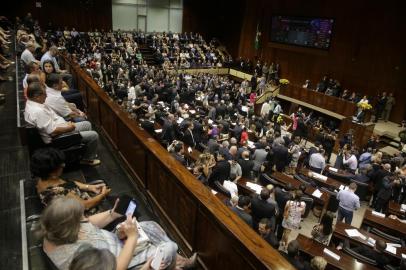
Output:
(198, 221)
(320, 100)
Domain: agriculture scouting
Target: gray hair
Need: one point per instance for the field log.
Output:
(90, 258)
(60, 221)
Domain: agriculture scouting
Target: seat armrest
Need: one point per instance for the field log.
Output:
(66, 140)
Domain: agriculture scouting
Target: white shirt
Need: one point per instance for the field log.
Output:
(57, 102)
(317, 161)
(27, 57)
(25, 84)
(351, 162)
(43, 118)
(266, 107)
(231, 187)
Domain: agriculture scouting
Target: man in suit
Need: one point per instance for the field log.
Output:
(168, 130)
(265, 231)
(377, 254)
(385, 192)
(246, 164)
(280, 157)
(241, 209)
(148, 124)
(259, 157)
(188, 137)
(178, 153)
(262, 209)
(376, 177)
(221, 171)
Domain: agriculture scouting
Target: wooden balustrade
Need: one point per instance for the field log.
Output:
(194, 217)
(336, 105)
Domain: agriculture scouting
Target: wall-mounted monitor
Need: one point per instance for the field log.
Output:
(302, 31)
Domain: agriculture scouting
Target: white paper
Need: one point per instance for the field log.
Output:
(317, 193)
(244, 108)
(403, 208)
(378, 214)
(352, 232)
(371, 241)
(333, 169)
(391, 249)
(403, 256)
(331, 254)
(394, 245)
(192, 111)
(320, 176)
(213, 191)
(158, 130)
(210, 121)
(257, 188)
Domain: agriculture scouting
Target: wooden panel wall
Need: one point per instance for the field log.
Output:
(81, 14)
(367, 50)
(194, 217)
(213, 18)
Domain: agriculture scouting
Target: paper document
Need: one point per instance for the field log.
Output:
(331, 254)
(333, 169)
(319, 176)
(257, 188)
(403, 256)
(158, 130)
(391, 249)
(317, 193)
(213, 191)
(352, 232)
(371, 241)
(378, 214)
(403, 207)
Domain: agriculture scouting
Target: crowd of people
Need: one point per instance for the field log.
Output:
(208, 113)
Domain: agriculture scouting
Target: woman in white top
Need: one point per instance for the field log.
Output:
(292, 216)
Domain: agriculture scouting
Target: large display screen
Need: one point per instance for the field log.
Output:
(302, 31)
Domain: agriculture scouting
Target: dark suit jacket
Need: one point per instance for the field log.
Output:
(280, 157)
(296, 262)
(221, 172)
(243, 215)
(246, 167)
(272, 240)
(261, 209)
(148, 126)
(380, 258)
(188, 138)
(168, 131)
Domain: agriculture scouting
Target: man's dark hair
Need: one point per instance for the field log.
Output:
(244, 201)
(267, 222)
(46, 160)
(264, 195)
(32, 78)
(30, 67)
(380, 245)
(52, 79)
(35, 89)
(293, 248)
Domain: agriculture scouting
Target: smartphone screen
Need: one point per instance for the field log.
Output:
(131, 208)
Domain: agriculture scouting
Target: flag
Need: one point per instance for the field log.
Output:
(257, 38)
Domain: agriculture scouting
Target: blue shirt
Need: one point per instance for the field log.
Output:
(348, 200)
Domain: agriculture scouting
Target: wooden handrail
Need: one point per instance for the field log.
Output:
(199, 221)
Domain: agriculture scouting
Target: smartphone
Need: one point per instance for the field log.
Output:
(131, 208)
(126, 205)
(157, 260)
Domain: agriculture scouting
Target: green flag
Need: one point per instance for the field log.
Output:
(257, 38)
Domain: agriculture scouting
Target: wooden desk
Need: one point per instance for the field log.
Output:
(391, 226)
(346, 262)
(395, 209)
(339, 232)
(330, 183)
(341, 175)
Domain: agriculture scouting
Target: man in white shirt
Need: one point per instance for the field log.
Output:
(57, 102)
(266, 107)
(27, 55)
(317, 161)
(49, 124)
(350, 160)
